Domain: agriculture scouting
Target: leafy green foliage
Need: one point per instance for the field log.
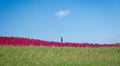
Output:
(58, 56)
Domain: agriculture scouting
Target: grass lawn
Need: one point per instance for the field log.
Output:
(58, 56)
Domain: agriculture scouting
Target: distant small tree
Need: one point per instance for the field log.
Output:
(61, 39)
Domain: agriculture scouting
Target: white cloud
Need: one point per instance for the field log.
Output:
(62, 13)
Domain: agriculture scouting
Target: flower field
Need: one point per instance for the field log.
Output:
(17, 51)
(14, 41)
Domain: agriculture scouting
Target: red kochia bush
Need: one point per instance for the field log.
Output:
(35, 42)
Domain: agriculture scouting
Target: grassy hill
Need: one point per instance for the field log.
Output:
(58, 56)
(16, 51)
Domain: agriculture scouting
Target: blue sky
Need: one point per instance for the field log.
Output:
(92, 21)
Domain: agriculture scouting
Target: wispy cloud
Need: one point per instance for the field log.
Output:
(62, 13)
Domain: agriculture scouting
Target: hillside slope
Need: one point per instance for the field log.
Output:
(36, 42)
